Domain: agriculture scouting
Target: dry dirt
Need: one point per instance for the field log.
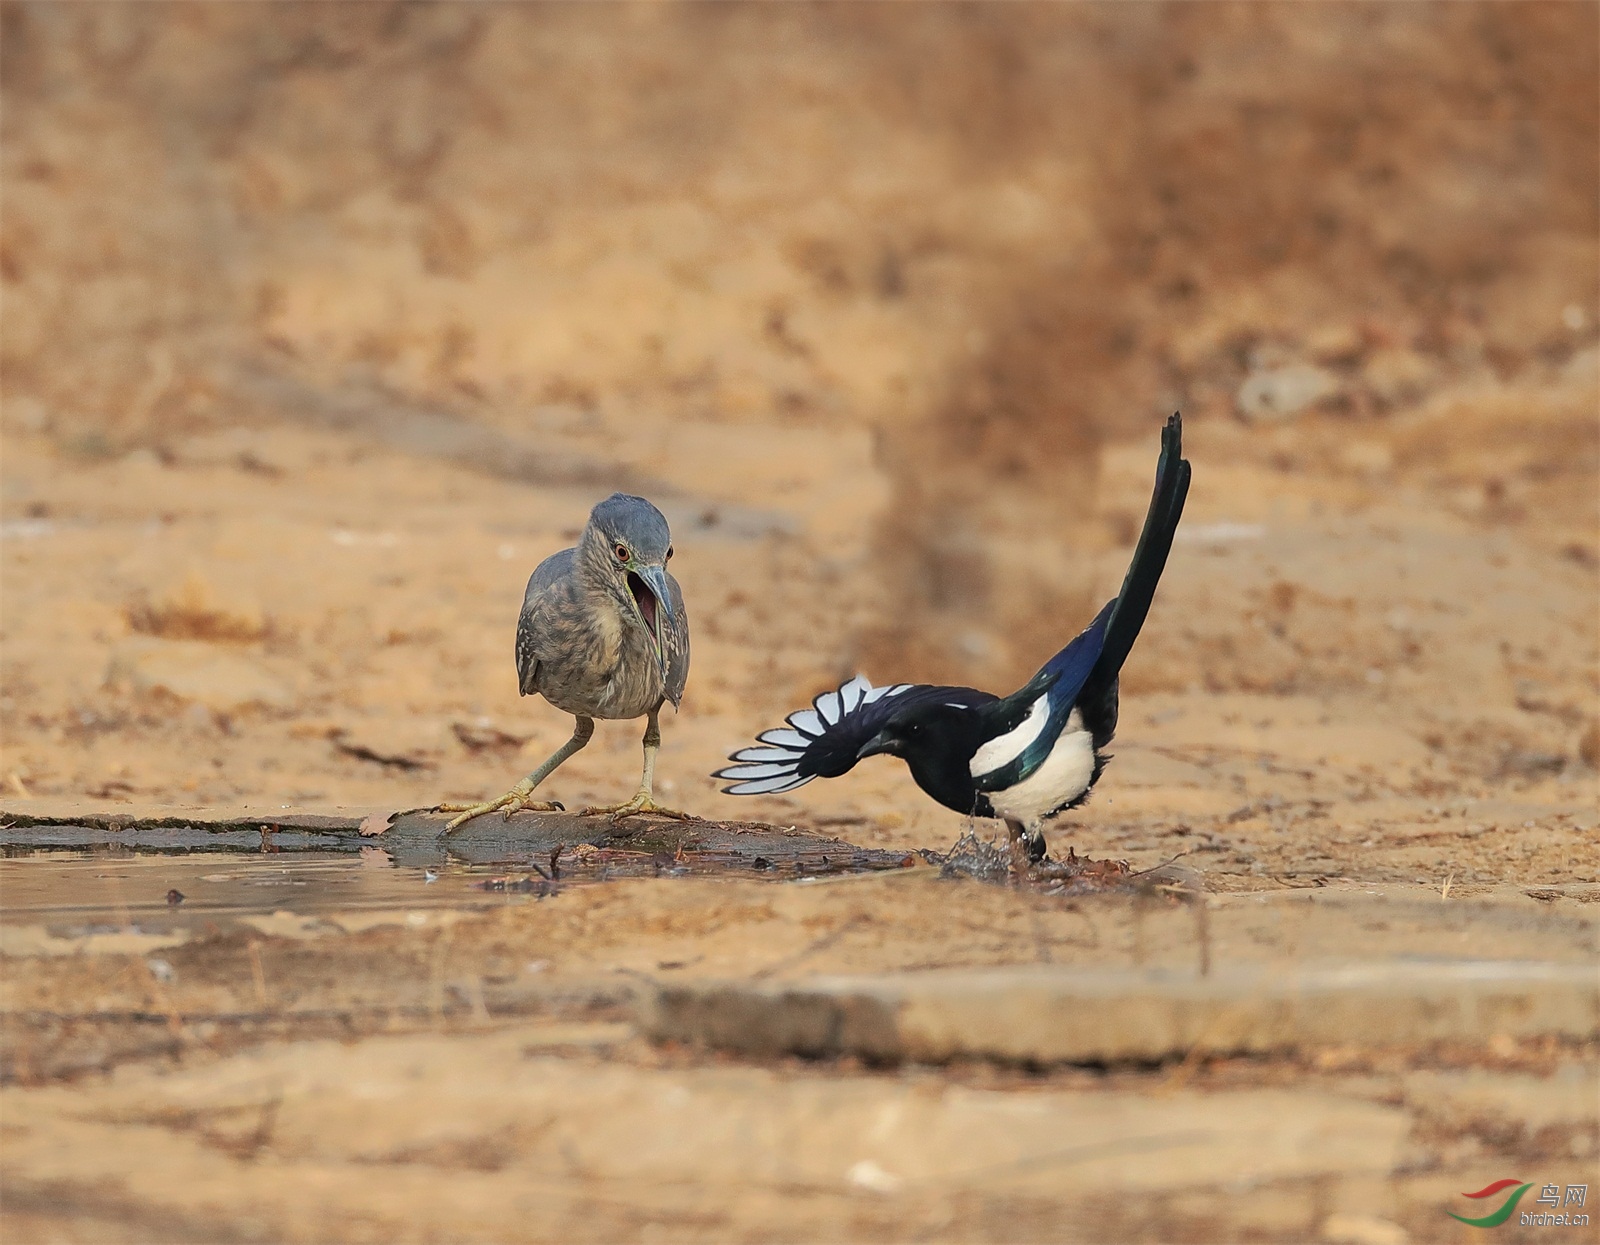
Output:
(323, 324)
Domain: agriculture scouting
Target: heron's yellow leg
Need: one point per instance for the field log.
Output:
(520, 796)
(644, 799)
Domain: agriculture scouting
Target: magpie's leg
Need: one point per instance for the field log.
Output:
(1020, 854)
(1027, 844)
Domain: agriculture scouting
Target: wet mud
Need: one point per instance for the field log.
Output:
(634, 846)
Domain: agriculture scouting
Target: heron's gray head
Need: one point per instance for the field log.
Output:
(628, 542)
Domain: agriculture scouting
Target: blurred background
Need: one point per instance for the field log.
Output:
(324, 323)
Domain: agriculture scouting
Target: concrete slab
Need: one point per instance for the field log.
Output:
(1059, 1015)
(372, 1110)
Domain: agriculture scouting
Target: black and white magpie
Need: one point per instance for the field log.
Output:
(1023, 757)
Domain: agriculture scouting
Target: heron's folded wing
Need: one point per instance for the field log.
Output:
(825, 740)
(546, 585)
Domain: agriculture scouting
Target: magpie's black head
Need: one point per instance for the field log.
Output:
(936, 741)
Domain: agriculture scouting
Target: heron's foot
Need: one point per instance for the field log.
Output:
(513, 801)
(642, 803)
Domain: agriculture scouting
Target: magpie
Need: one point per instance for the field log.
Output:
(1024, 757)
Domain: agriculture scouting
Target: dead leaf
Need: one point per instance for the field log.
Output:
(377, 823)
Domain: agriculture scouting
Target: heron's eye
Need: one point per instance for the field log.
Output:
(622, 553)
(669, 553)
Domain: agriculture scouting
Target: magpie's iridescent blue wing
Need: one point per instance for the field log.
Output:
(824, 740)
(1073, 664)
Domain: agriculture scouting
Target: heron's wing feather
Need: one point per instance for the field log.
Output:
(555, 569)
(549, 578)
(677, 644)
(824, 740)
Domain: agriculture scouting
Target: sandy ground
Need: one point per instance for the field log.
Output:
(1325, 702)
(321, 331)
(1339, 653)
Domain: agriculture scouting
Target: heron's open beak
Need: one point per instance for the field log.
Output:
(881, 742)
(653, 600)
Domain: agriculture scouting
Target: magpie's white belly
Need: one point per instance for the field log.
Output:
(1063, 777)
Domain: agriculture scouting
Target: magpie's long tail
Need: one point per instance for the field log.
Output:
(1099, 695)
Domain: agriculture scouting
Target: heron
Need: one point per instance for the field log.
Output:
(603, 634)
(1023, 758)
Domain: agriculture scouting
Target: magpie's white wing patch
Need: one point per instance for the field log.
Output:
(784, 738)
(821, 741)
(775, 785)
(774, 769)
(807, 721)
(759, 755)
(1003, 749)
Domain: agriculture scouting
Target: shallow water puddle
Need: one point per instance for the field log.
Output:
(92, 874)
(79, 892)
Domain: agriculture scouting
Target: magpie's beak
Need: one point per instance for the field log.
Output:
(883, 741)
(653, 600)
